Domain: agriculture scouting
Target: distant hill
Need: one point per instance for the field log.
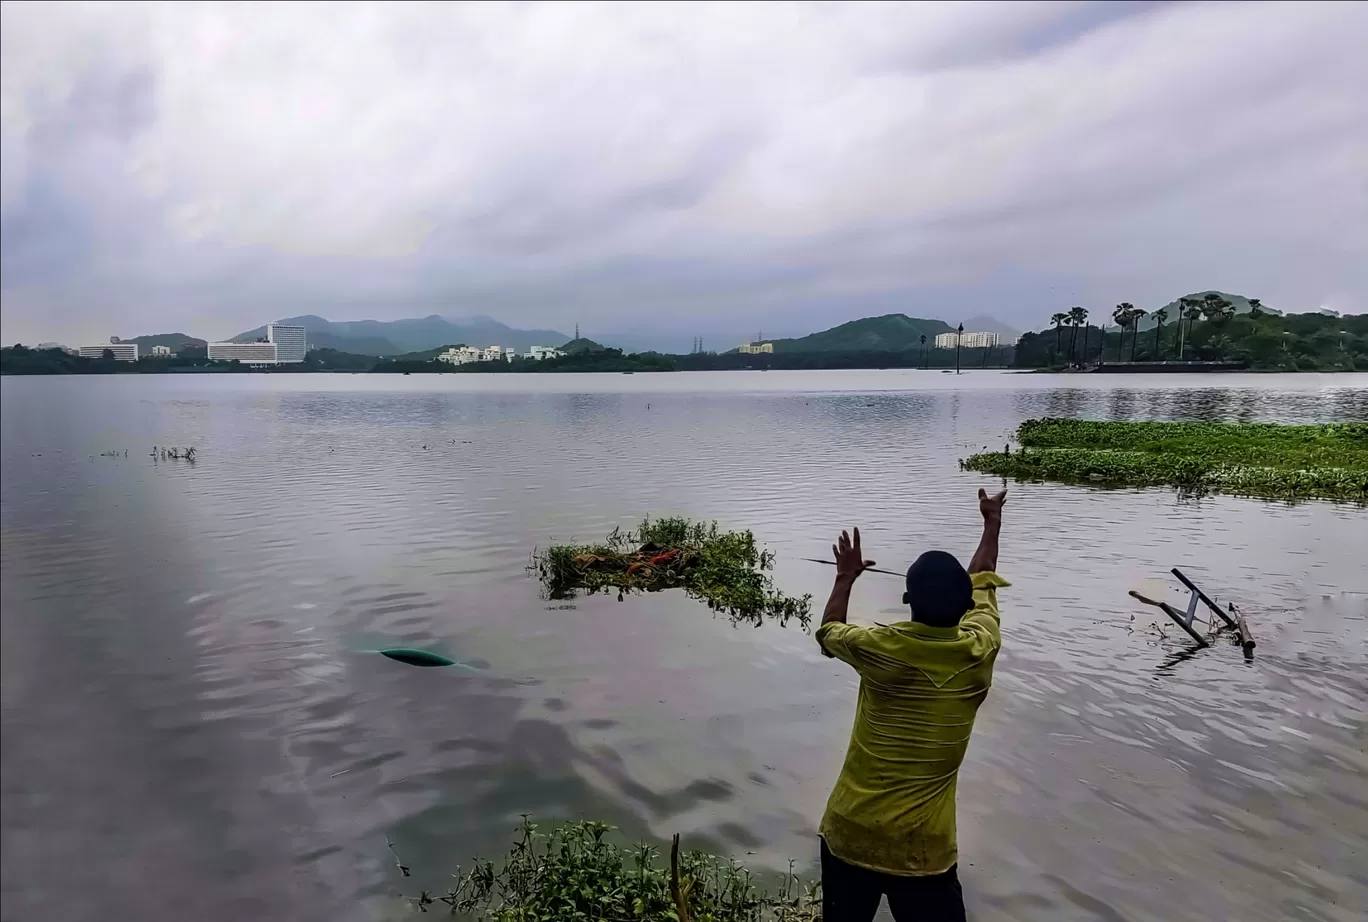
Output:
(417, 334)
(982, 323)
(175, 341)
(1175, 307)
(426, 355)
(581, 345)
(889, 333)
(355, 345)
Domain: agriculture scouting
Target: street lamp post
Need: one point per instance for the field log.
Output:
(959, 335)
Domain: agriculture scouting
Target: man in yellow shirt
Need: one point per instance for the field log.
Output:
(889, 827)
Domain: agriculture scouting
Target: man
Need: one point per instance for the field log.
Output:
(889, 827)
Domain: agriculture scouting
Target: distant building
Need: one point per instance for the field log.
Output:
(968, 340)
(291, 342)
(161, 352)
(50, 346)
(460, 355)
(465, 355)
(537, 353)
(285, 344)
(246, 353)
(123, 352)
(755, 348)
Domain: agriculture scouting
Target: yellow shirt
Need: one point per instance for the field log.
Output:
(893, 808)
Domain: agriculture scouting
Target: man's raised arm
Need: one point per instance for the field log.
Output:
(850, 563)
(985, 558)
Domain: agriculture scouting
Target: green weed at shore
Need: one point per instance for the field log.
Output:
(575, 873)
(1254, 459)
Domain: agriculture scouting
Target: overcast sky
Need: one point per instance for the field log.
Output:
(710, 169)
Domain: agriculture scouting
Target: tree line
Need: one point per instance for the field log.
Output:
(1201, 329)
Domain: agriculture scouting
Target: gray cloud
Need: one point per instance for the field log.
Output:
(672, 170)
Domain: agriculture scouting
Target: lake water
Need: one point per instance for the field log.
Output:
(194, 727)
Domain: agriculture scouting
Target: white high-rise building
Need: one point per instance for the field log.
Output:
(291, 342)
(968, 340)
(123, 352)
(246, 353)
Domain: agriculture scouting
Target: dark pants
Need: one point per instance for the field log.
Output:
(851, 894)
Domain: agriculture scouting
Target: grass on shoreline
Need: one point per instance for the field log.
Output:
(726, 570)
(575, 873)
(1266, 460)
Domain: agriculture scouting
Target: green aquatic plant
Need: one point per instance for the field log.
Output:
(576, 873)
(725, 569)
(1269, 460)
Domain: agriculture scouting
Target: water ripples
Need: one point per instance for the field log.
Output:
(203, 636)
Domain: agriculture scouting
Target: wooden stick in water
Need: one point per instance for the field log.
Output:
(1246, 638)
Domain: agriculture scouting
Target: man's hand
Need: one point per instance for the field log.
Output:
(850, 562)
(991, 506)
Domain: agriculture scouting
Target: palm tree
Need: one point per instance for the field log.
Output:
(1159, 317)
(1255, 307)
(1077, 315)
(1122, 317)
(1135, 314)
(923, 345)
(1058, 320)
(1192, 309)
(1214, 308)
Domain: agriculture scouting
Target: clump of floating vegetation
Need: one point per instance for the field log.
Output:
(727, 570)
(575, 873)
(1268, 460)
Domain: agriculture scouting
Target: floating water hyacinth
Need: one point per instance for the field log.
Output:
(726, 570)
(1267, 460)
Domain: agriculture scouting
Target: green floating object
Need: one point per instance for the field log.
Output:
(417, 657)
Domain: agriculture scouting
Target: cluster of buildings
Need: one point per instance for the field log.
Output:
(284, 344)
(755, 348)
(968, 340)
(464, 355)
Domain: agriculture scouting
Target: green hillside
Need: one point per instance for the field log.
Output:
(356, 345)
(1173, 308)
(426, 355)
(581, 345)
(889, 333)
(1266, 341)
(415, 334)
(174, 341)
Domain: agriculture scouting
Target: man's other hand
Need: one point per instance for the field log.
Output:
(850, 562)
(990, 506)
